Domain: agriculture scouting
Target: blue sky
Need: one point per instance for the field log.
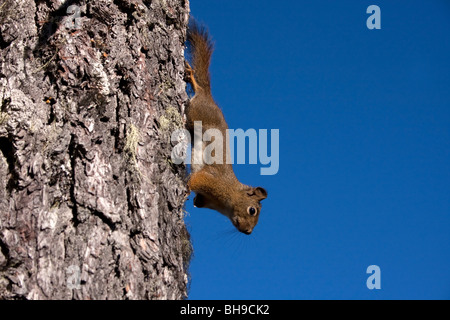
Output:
(364, 177)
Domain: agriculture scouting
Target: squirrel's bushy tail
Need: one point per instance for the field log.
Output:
(200, 49)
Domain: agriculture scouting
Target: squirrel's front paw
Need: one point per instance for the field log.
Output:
(199, 201)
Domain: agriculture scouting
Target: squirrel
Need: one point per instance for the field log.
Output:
(215, 185)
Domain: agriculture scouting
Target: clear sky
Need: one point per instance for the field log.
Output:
(364, 176)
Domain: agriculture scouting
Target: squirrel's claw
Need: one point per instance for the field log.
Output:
(190, 78)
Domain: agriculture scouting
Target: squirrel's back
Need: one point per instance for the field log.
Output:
(200, 48)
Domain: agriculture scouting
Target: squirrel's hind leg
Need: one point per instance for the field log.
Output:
(190, 77)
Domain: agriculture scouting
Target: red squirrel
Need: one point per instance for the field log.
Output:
(215, 184)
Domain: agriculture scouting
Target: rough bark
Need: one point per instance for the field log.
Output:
(91, 206)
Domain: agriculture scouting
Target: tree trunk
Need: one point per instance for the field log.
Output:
(91, 207)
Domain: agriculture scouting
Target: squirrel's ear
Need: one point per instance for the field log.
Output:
(260, 192)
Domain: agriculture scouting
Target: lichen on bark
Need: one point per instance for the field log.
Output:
(90, 205)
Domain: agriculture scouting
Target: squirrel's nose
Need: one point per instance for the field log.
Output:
(248, 231)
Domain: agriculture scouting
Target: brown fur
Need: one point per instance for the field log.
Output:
(215, 184)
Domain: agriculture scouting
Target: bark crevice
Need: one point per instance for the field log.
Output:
(90, 206)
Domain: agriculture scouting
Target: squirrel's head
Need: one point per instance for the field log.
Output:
(242, 207)
(246, 208)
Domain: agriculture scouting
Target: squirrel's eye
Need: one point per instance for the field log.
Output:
(251, 211)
